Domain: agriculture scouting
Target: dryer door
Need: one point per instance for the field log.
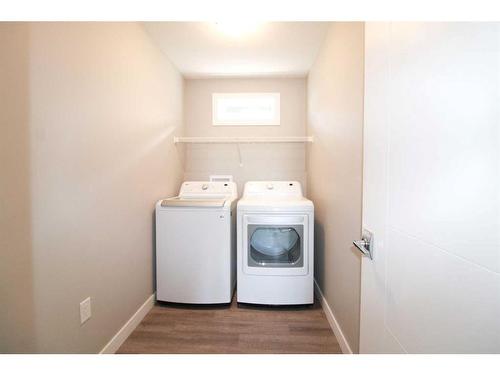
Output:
(275, 245)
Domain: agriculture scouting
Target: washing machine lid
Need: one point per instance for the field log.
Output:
(193, 202)
(203, 194)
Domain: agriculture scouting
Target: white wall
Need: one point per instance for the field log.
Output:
(334, 165)
(432, 155)
(102, 104)
(260, 161)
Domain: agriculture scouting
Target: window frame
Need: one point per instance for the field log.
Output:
(276, 121)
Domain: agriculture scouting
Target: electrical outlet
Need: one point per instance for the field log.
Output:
(85, 310)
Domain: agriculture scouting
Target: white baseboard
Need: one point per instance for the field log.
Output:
(112, 346)
(334, 324)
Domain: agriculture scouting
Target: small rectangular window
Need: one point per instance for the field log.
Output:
(246, 109)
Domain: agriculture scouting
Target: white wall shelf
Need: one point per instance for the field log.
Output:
(243, 140)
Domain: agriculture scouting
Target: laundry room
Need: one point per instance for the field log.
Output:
(250, 187)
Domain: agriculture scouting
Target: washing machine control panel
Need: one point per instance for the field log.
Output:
(208, 187)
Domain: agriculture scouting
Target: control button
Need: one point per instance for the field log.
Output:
(204, 187)
(270, 186)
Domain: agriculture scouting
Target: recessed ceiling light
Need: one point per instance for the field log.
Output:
(237, 28)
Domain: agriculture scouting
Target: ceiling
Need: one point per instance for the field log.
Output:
(206, 49)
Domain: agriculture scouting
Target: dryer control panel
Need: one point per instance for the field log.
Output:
(291, 189)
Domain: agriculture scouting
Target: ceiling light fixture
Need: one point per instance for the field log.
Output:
(237, 28)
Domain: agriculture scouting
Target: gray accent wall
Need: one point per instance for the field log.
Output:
(17, 326)
(265, 161)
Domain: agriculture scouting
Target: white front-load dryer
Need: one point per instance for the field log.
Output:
(275, 249)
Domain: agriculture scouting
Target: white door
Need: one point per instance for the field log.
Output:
(431, 188)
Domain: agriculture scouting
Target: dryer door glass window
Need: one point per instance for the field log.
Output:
(275, 246)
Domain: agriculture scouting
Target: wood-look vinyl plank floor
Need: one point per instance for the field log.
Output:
(234, 328)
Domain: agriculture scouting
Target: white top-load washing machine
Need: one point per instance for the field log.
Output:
(275, 250)
(195, 244)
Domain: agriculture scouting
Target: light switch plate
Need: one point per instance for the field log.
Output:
(85, 310)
